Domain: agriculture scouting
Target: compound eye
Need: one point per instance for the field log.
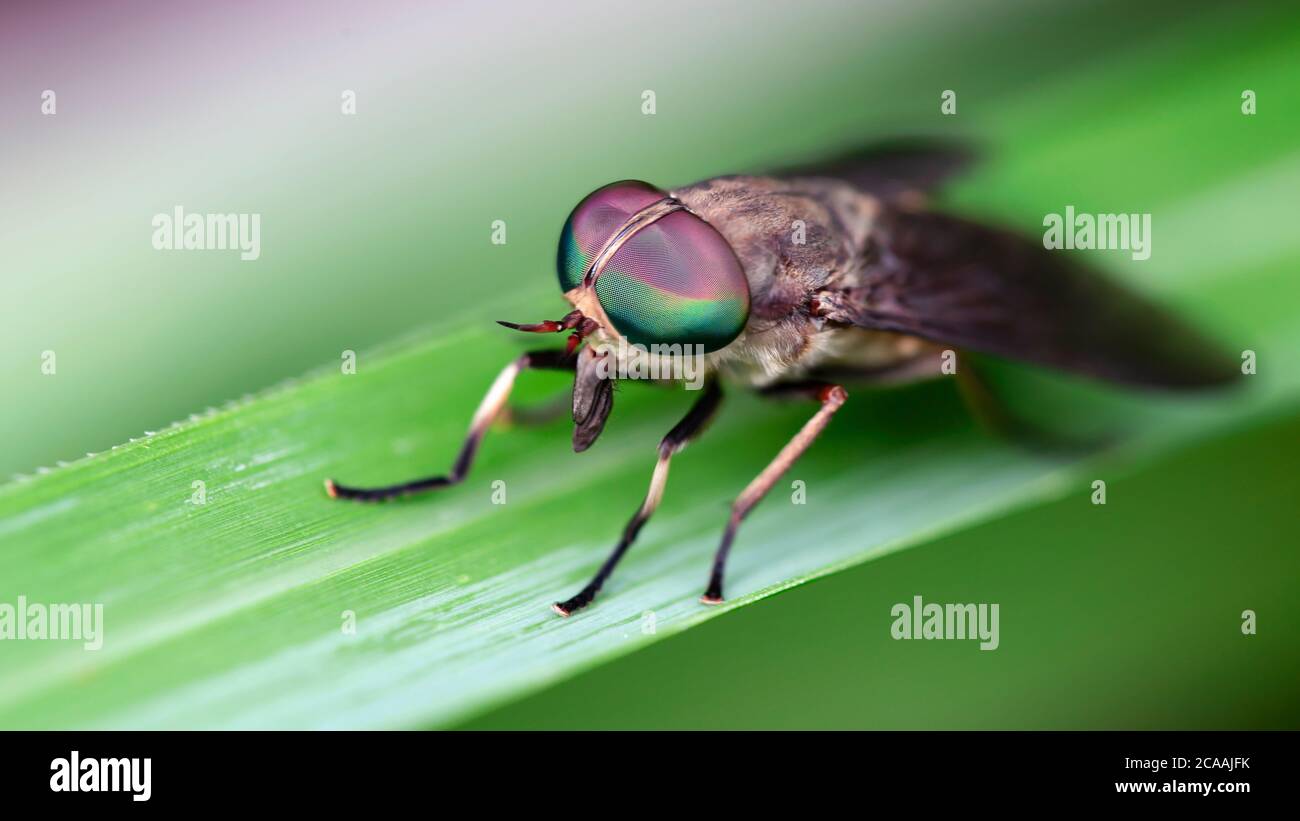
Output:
(675, 281)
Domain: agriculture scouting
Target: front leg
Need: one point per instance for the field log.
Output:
(694, 421)
(831, 397)
(488, 409)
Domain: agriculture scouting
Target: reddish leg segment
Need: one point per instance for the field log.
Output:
(831, 397)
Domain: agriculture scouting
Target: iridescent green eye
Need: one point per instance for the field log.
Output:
(675, 281)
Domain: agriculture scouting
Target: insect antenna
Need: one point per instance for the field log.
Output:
(572, 321)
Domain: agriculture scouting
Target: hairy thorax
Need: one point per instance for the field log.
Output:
(795, 238)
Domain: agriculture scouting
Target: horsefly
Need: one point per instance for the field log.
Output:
(798, 282)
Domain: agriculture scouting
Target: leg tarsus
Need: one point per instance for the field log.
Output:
(382, 494)
(572, 605)
(713, 593)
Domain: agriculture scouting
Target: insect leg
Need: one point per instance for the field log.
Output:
(694, 421)
(831, 397)
(488, 409)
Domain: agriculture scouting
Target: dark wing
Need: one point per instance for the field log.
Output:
(960, 283)
(888, 169)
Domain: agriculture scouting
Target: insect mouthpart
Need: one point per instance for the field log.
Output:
(593, 392)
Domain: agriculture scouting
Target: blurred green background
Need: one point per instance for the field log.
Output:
(379, 223)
